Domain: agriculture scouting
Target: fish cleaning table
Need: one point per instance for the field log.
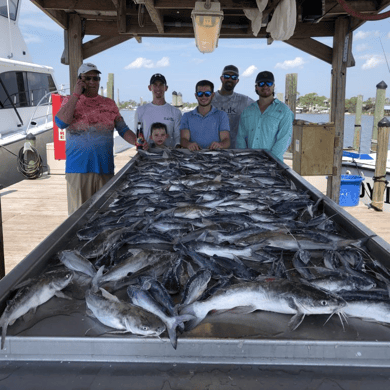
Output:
(60, 331)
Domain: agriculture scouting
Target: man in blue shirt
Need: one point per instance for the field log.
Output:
(266, 123)
(205, 127)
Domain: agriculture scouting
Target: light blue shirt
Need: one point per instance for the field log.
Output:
(270, 130)
(204, 130)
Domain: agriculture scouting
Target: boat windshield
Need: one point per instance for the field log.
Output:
(13, 8)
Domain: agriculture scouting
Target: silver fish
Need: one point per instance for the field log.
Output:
(269, 294)
(143, 299)
(30, 297)
(117, 314)
(140, 259)
(74, 261)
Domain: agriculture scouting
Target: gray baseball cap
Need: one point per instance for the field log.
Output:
(230, 69)
(87, 67)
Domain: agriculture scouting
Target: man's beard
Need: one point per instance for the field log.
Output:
(228, 87)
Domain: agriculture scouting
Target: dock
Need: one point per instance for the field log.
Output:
(33, 209)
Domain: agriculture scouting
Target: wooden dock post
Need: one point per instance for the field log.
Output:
(358, 123)
(110, 86)
(291, 91)
(2, 259)
(380, 165)
(378, 112)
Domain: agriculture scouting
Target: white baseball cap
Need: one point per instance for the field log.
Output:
(84, 68)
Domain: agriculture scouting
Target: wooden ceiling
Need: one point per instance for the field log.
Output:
(172, 18)
(115, 21)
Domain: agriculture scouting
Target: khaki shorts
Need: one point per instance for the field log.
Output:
(81, 186)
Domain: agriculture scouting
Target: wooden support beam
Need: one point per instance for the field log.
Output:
(155, 15)
(74, 48)
(342, 42)
(77, 5)
(333, 8)
(59, 17)
(313, 47)
(94, 27)
(121, 15)
(99, 44)
(225, 4)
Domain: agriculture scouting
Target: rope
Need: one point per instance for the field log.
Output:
(381, 179)
(33, 169)
(349, 10)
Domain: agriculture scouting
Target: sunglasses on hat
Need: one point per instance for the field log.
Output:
(228, 76)
(201, 94)
(262, 83)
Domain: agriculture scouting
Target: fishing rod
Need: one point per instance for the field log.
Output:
(380, 40)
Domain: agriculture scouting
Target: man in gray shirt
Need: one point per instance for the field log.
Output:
(159, 111)
(231, 102)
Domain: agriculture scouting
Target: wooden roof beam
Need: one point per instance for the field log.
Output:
(102, 43)
(302, 30)
(333, 8)
(154, 14)
(59, 17)
(79, 5)
(313, 47)
(183, 4)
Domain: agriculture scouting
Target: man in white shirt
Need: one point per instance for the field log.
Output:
(159, 111)
(231, 102)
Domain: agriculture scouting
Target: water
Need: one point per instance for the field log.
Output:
(349, 128)
(119, 143)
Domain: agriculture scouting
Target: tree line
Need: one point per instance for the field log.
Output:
(312, 101)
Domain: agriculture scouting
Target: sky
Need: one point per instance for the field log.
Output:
(181, 63)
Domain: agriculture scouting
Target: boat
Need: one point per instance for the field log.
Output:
(25, 97)
(364, 165)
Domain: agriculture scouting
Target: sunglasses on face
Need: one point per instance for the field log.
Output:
(267, 83)
(89, 78)
(228, 76)
(201, 94)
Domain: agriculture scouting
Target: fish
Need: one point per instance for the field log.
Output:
(74, 261)
(195, 287)
(343, 282)
(143, 299)
(120, 315)
(140, 259)
(269, 294)
(35, 294)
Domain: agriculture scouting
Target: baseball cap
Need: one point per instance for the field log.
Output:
(157, 77)
(265, 76)
(84, 68)
(230, 69)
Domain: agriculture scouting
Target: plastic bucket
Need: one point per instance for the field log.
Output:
(350, 190)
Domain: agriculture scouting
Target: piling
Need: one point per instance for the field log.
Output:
(291, 91)
(2, 260)
(174, 98)
(358, 123)
(110, 86)
(179, 99)
(378, 112)
(380, 165)
(279, 96)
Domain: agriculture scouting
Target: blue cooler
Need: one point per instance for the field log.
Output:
(350, 190)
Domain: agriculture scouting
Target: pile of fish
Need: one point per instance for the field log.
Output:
(190, 234)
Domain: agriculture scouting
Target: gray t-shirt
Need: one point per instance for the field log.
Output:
(151, 113)
(233, 105)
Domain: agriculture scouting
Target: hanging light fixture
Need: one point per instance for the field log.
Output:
(207, 20)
